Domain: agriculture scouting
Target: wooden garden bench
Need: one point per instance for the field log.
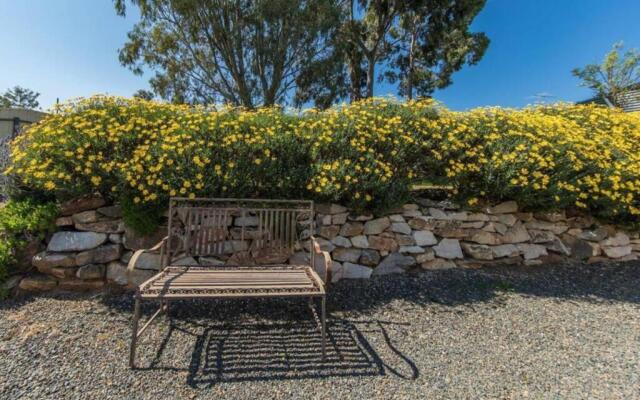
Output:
(242, 248)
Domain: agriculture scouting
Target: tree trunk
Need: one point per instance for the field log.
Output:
(411, 66)
(371, 67)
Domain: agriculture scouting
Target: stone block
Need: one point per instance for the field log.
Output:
(75, 241)
(376, 226)
(448, 248)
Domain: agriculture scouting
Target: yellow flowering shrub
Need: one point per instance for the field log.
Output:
(560, 156)
(144, 152)
(365, 155)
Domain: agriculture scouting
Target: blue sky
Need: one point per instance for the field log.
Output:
(68, 48)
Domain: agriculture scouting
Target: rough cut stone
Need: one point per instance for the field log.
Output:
(411, 250)
(477, 217)
(376, 226)
(79, 285)
(558, 246)
(62, 272)
(580, 248)
(355, 271)
(102, 227)
(516, 234)
(85, 217)
(581, 222)
(75, 241)
(323, 219)
(382, 243)
(325, 208)
(394, 263)
(505, 250)
(531, 251)
(369, 257)
(538, 236)
(412, 213)
(551, 216)
(443, 215)
(620, 239)
(478, 251)
(443, 204)
(617, 251)
(114, 211)
(360, 242)
(37, 283)
(346, 254)
(64, 222)
(360, 218)
(405, 240)
(246, 221)
(324, 244)
(148, 261)
(472, 225)
(135, 241)
(507, 219)
(438, 263)
(12, 282)
(401, 227)
(115, 238)
(117, 273)
(91, 271)
(524, 216)
(396, 218)
(484, 237)
(74, 206)
(99, 255)
(410, 207)
(421, 223)
(329, 232)
(504, 208)
(424, 238)
(351, 229)
(339, 219)
(49, 260)
(496, 227)
(426, 256)
(547, 226)
(448, 248)
(341, 241)
(595, 235)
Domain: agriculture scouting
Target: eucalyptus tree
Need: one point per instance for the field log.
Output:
(243, 52)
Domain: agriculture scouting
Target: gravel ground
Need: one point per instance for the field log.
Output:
(569, 331)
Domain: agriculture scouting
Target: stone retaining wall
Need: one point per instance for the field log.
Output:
(93, 245)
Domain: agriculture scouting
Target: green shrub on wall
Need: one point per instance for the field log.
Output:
(365, 155)
(20, 222)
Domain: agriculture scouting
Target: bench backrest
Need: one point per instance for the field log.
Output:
(239, 231)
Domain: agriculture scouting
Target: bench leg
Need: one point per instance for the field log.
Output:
(134, 333)
(324, 329)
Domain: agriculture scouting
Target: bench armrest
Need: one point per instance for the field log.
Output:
(322, 258)
(160, 246)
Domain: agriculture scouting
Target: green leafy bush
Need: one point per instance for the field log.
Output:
(21, 221)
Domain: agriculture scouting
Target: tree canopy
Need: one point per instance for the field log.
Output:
(242, 52)
(19, 97)
(618, 73)
(264, 52)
